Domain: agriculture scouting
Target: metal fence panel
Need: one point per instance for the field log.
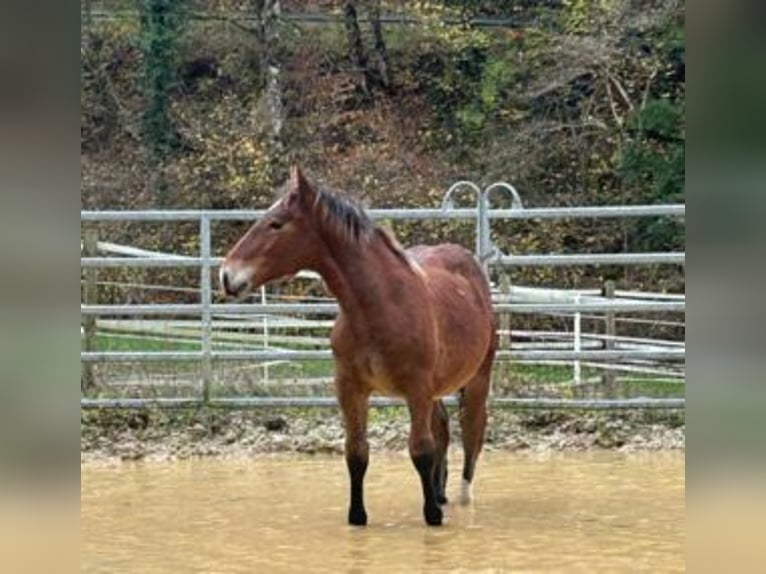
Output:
(482, 214)
(378, 402)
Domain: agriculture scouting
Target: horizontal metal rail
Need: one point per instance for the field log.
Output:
(269, 355)
(677, 210)
(171, 215)
(253, 214)
(182, 356)
(196, 309)
(592, 307)
(425, 213)
(89, 262)
(288, 402)
(332, 308)
(677, 258)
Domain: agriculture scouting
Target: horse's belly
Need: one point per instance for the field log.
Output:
(452, 377)
(385, 386)
(378, 376)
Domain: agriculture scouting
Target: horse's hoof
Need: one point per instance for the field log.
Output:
(433, 516)
(357, 517)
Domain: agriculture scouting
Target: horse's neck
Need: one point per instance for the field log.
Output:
(355, 271)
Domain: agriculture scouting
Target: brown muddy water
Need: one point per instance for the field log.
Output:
(578, 512)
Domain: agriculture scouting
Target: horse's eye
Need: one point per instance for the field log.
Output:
(276, 225)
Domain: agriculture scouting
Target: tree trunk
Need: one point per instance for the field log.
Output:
(381, 52)
(356, 47)
(161, 25)
(271, 99)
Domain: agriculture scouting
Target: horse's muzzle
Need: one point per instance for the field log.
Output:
(234, 283)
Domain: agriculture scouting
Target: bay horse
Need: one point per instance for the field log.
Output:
(416, 324)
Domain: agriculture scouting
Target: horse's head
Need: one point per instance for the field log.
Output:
(278, 245)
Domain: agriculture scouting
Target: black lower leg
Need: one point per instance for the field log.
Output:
(440, 481)
(440, 429)
(357, 466)
(424, 463)
(468, 466)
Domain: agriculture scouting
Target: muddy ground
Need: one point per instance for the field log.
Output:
(111, 435)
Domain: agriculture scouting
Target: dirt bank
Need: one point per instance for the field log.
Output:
(161, 435)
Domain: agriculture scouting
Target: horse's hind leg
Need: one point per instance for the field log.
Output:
(473, 421)
(440, 429)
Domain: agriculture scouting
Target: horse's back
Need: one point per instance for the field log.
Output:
(457, 261)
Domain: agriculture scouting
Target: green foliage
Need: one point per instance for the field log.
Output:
(660, 119)
(467, 89)
(451, 70)
(654, 156)
(586, 16)
(653, 169)
(498, 74)
(161, 27)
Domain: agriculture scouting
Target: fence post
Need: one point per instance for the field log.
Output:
(576, 365)
(610, 330)
(265, 335)
(505, 316)
(90, 297)
(206, 301)
(504, 340)
(483, 239)
(479, 229)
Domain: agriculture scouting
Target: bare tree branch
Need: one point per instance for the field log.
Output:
(620, 90)
(649, 81)
(612, 104)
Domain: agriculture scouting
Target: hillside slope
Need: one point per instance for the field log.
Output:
(575, 103)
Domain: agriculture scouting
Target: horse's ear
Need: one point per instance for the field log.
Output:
(301, 186)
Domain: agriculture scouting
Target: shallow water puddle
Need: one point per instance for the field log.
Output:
(574, 512)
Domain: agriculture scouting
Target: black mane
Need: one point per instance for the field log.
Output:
(344, 215)
(346, 218)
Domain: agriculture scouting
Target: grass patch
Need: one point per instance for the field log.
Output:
(547, 373)
(651, 387)
(303, 369)
(508, 378)
(128, 343)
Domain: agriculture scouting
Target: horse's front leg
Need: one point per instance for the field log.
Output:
(423, 454)
(354, 402)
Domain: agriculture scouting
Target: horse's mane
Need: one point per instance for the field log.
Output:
(346, 217)
(343, 216)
